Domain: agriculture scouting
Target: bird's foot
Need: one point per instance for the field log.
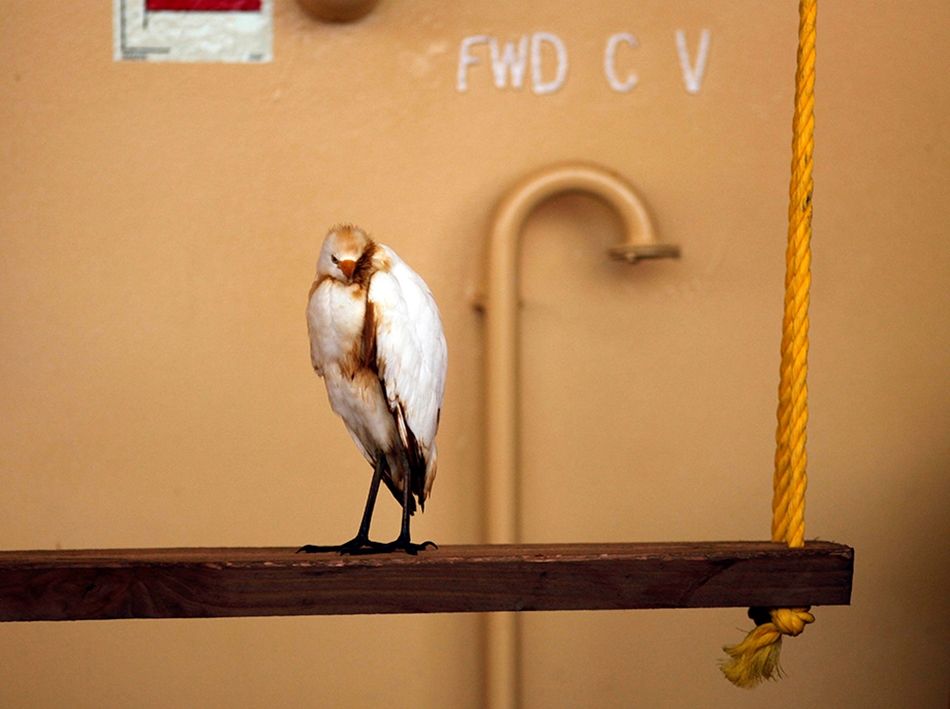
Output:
(357, 545)
(404, 544)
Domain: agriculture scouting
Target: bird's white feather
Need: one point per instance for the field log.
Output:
(396, 399)
(411, 351)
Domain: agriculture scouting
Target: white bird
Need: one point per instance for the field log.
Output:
(377, 340)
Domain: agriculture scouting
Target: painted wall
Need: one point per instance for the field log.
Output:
(159, 225)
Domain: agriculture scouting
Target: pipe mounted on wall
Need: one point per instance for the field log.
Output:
(501, 312)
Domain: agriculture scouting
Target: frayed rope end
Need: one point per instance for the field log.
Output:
(756, 658)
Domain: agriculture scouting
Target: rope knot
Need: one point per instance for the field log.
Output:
(791, 621)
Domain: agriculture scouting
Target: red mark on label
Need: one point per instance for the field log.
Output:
(203, 5)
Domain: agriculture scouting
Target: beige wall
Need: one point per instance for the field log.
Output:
(159, 226)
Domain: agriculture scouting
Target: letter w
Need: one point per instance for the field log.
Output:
(507, 60)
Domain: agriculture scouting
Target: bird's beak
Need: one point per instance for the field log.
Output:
(347, 267)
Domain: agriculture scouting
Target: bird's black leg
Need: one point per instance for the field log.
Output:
(404, 541)
(360, 544)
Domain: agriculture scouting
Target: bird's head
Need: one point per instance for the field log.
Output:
(342, 249)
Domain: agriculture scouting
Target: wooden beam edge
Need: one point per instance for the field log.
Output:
(270, 581)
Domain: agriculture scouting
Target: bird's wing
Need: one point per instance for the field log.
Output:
(410, 349)
(315, 317)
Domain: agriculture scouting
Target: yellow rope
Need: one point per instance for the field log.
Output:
(757, 657)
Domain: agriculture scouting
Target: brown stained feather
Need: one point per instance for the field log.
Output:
(353, 364)
(368, 353)
(363, 354)
(366, 266)
(348, 235)
(417, 461)
(397, 493)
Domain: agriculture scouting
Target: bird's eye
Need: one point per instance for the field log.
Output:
(334, 259)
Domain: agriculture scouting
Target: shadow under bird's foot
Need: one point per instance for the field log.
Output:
(362, 545)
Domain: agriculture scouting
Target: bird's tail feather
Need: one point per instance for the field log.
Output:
(397, 493)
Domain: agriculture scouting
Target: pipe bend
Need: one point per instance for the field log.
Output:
(639, 239)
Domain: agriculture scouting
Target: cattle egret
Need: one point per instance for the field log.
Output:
(376, 339)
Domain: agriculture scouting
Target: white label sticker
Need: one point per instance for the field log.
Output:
(193, 30)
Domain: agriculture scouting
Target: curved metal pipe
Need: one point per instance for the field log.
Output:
(501, 314)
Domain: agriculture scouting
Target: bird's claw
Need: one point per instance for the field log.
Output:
(407, 546)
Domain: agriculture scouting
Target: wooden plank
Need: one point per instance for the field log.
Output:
(230, 582)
